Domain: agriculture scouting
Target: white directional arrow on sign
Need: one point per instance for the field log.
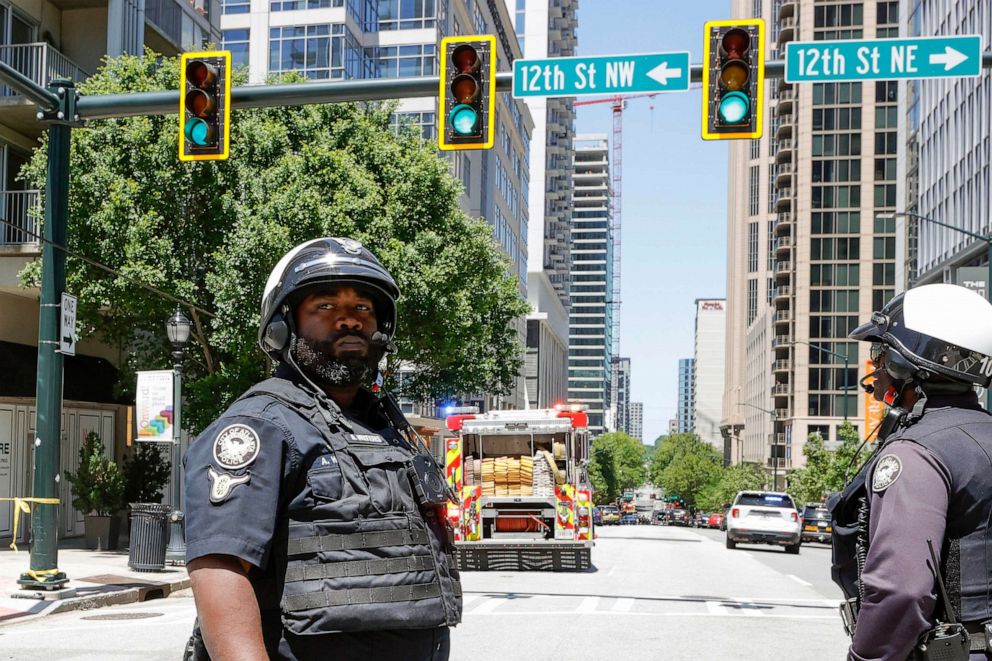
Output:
(662, 73)
(950, 58)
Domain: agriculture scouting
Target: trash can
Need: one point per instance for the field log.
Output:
(149, 536)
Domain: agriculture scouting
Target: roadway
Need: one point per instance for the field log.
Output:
(656, 593)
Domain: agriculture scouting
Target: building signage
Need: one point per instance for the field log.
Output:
(874, 409)
(883, 59)
(601, 74)
(154, 406)
(974, 278)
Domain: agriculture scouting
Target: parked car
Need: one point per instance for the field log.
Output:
(611, 515)
(715, 520)
(764, 517)
(658, 518)
(678, 518)
(628, 520)
(597, 516)
(700, 520)
(816, 523)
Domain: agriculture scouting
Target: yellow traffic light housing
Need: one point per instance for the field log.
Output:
(733, 79)
(204, 106)
(467, 98)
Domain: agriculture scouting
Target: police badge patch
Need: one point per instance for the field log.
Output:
(887, 471)
(236, 446)
(222, 483)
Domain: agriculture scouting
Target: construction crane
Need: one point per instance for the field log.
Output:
(618, 103)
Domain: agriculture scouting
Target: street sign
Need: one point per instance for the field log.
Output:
(602, 74)
(67, 334)
(883, 59)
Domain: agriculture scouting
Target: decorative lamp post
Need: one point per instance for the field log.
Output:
(178, 328)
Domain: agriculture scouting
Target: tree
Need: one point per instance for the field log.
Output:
(210, 232)
(739, 477)
(848, 457)
(684, 465)
(617, 465)
(809, 483)
(98, 485)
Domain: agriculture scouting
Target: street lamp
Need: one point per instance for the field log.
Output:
(836, 355)
(178, 329)
(775, 459)
(987, 238)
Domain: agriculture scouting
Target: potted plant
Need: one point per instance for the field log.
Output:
(98, 491)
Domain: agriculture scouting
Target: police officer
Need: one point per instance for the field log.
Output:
(305, 539)
(930, 478)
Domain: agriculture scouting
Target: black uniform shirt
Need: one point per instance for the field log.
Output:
(242, 474)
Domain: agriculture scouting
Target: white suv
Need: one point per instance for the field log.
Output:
(764, 517)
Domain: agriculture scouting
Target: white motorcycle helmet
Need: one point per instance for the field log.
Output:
(934, 330)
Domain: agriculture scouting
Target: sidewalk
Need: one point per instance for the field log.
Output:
(99, 578)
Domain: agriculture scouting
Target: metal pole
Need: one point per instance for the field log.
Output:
(988, 297)
(44, 571)
(175, 553)
(846, 367)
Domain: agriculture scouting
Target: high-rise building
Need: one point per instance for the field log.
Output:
(805, 245)
(949, 162)
(636, 427)
(590, 340)
(708, 370)
(620, 387)
(673, 426)
(546, 28)
(687, 397)
(45, 42)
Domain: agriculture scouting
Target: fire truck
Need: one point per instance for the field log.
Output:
(525, 495)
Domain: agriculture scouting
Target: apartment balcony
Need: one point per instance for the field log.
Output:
(784, 201)
(780, 341)
(784, 131)
(42, 64)
(784, 154)
(781, 414)
(781, 390)
(787, 30)
(781, 365)
(783, 176)
(784, 225)
(788, 9)
(786, 105)
(783, 316)
(783, 245)
(783, 291)
(783, 266)
(21, 211)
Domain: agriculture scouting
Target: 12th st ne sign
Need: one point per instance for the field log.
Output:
(883, 59)
(602, 74)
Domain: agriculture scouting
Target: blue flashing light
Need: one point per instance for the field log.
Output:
(448, 410)
(734, 107)
(464, 119)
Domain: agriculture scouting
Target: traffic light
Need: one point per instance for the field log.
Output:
(467, 97)
(204, 106)
(733, 79)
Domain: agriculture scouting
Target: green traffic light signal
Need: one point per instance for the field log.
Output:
(205, 106)
(464, 120)
(467, 94)
(734, 108)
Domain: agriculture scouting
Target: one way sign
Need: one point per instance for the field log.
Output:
(602, 74)
(67, 334)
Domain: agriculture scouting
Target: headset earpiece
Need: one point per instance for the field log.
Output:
(898, 367)
(277, 333)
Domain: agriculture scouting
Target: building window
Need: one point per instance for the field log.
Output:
(752, 300)
(421, 122)
(403, 61)
(407, 14)
(237, 41)
(752, 247)
(753, 205)
(316, 51)
(756, 148)
(236, 6)
(299, 5)
(770, 258)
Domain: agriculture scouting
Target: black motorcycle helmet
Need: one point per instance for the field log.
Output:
(325, 261)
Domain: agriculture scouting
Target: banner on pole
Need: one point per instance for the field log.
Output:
(874, 409)
(154, 406)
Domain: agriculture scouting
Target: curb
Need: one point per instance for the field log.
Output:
(127, 595)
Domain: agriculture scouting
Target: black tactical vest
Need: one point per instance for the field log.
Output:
(356, 553)
(959, 433)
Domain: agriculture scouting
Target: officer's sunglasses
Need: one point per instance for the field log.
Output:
(876, 353)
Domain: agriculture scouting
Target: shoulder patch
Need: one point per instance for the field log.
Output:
(887, 471)
(236, 446)
(222, 483)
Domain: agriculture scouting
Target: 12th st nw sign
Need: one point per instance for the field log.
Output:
(602, 74)
(883, 59)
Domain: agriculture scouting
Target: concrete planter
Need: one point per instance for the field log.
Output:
(102, 532)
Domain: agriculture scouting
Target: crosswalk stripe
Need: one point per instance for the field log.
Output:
(623, 604)
(588, 605)
(488, 606)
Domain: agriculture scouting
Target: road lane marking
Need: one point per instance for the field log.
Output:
(659, 614)
(469, 598)
(613, 569)
(623, 605)
(488, 606)
(799, 580)
(588, 605)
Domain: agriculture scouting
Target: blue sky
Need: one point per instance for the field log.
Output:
(674, 195)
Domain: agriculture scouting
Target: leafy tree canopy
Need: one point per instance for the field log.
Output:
(616, 465)
(210, 232)
(684, 465)
(827, 471)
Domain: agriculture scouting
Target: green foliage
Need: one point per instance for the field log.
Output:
(146, 473)
(210, 232)
(826, 471)
(684, 465)
(740, 477)
(98, 485)
(616, 465)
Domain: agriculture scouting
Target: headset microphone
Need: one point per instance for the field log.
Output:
(868, 387)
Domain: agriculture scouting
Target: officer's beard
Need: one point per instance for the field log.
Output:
(317, 359)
